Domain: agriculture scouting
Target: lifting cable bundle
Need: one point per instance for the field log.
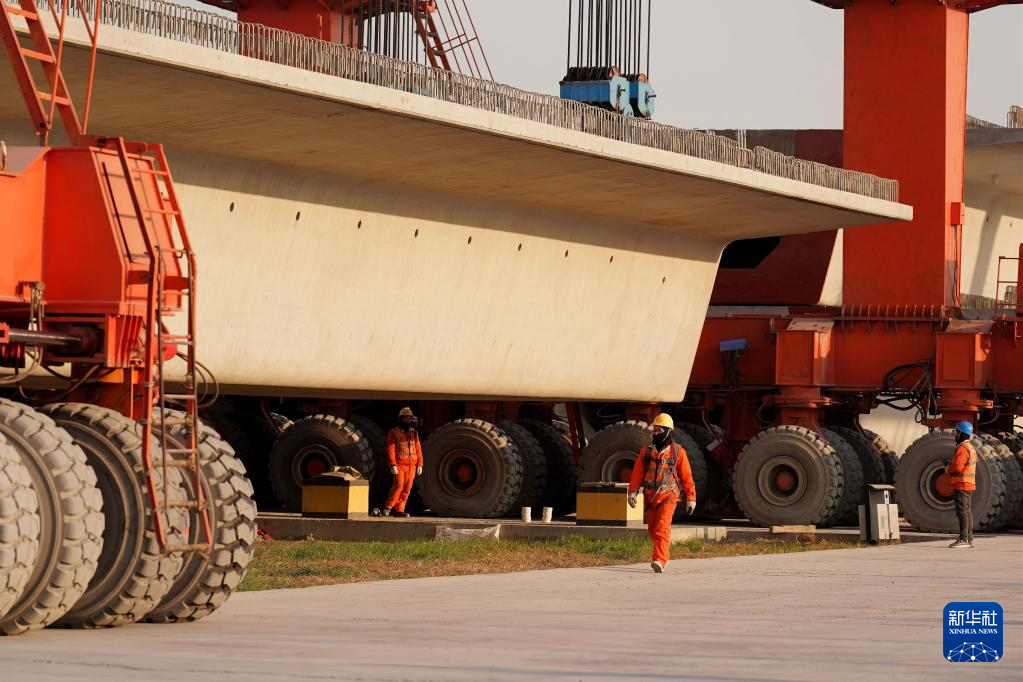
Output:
(603, 34)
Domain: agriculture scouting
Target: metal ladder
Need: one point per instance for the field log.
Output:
(152, 162)
(45, 105)
(1010, 312)
(422, 13)
(143, 161)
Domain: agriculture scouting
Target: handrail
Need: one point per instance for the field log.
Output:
(217, 32)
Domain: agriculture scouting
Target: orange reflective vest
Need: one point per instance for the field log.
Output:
(668, 468)
(659, 469)
(962, 472)
(404, 449)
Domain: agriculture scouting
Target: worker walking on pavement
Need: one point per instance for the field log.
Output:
(962, 473)
(662, 472)
(405, 455)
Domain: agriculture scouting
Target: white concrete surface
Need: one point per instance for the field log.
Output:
(332, 221)
(859, 614)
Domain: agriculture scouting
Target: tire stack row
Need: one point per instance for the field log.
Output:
(472, 468)
(791, 475)
(78, 546)
(612, 452)
(997, 503)
(785, 475)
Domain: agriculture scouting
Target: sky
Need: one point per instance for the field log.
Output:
(739, 63)
(742, 63)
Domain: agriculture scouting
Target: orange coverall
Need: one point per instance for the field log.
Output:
(405, 452)
(659, 506)
(963, 469)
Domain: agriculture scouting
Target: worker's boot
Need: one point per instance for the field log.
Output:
(657, 566)
(402, 514)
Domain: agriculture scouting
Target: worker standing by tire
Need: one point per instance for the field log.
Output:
(405, 455)
(962, 473)
(662, 471)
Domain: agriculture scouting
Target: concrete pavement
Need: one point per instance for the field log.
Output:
(868, 613)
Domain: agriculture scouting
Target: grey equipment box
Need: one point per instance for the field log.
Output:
(879, 517)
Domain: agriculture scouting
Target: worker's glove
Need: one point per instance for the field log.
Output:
(394, 470)
(632, 499)
(419, 471)
(690, 507)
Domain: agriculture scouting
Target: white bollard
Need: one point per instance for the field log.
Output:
(548, 514)
(527, 514)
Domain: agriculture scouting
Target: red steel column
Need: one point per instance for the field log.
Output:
(905, 113)
(306, 17)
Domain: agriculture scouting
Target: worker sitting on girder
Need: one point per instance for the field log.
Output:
(663, 472)
(962, 473)
(405, 455)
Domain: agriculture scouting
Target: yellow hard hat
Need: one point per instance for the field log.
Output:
(665, 421)
(406, 412)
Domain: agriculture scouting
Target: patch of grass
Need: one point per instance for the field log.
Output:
(304, 563)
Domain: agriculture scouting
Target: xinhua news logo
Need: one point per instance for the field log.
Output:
(973, 632)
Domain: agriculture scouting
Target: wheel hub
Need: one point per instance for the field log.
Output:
(461, 472)
(936, 486)
(782, 481)
(785, 481)
(310, 462)
(618, 467)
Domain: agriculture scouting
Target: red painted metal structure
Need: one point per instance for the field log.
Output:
(899, 333)
(99, 223)
(443, 29)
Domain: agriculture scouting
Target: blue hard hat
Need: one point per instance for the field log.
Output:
(965, 427)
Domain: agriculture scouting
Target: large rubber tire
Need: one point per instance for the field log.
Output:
(778, 450)
(562, 473)
(889, 457)
(869, 456)
(718, 495)
(923, 507)
(1012, 502)
(1014, 441)
(697, 457)
(71, 521)
(610, 454)
(534, 466)
(312, 446)
(134, 573)
(493, 464)
(206, 581)
(19, 526)
(565, 430)
(251, 438)
(380, 486)
(847, 513)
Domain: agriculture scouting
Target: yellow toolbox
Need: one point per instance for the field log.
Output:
(606, 504)
(334, 496)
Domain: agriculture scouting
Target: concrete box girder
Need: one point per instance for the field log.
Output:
(333, 222)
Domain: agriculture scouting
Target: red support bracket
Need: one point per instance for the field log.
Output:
(575, 430)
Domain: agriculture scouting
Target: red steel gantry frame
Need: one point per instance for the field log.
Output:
(99, 223)
(899, 328)
(443, 28)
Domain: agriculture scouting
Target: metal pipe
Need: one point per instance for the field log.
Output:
(34, 338)
(649, 26)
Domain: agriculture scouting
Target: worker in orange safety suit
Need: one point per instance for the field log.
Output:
(962, 474)
(662, 472)
(405, 455)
